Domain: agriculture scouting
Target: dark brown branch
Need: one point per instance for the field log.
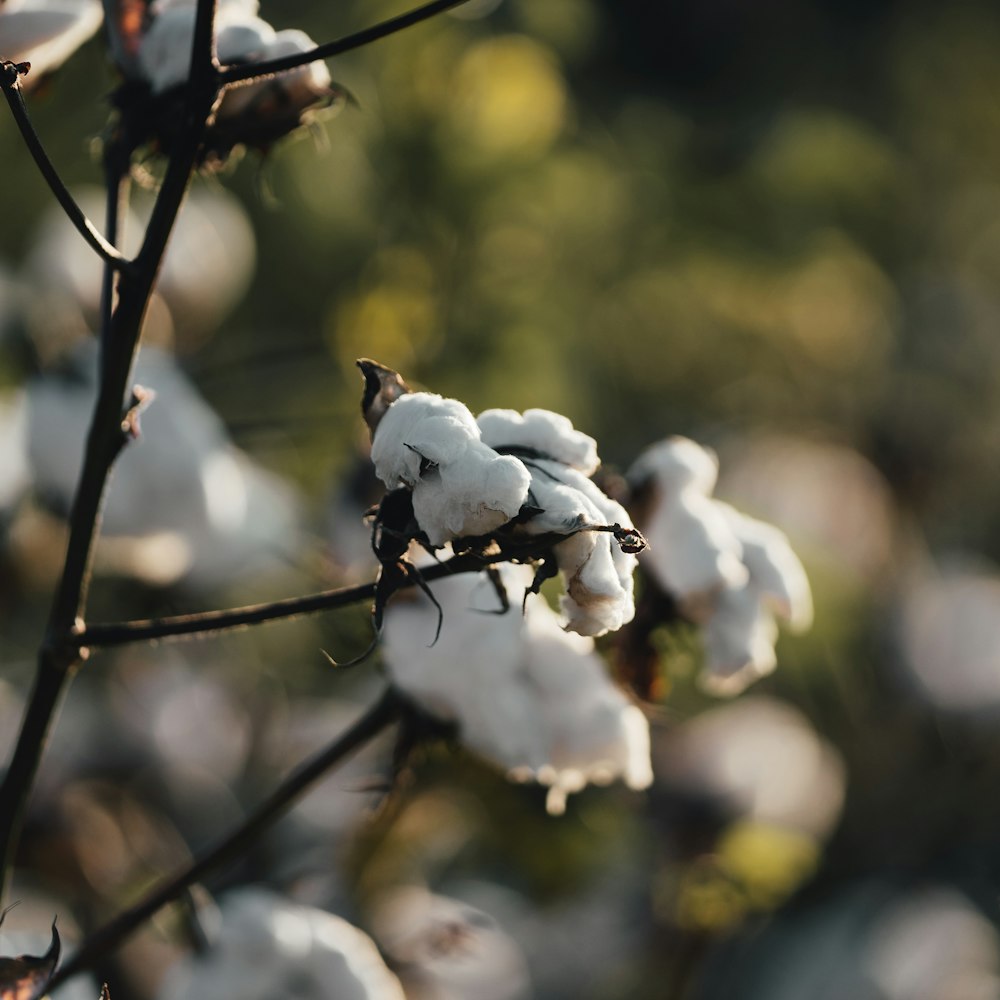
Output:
(523, 549)
(248, 72)
(106, 939)
(9, 79)
(60, 655)
(207, 622)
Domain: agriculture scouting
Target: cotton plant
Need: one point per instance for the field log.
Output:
(45, 33)
(479, 513)
(152, 47)
(526, 474)
(524, 693)
(731, 574)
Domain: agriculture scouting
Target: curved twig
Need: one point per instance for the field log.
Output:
(107, 938)
(10, 74)
(249, 72)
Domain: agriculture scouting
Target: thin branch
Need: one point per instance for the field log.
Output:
(106, 939)
(59, 656)
(210, 622)
(522, 549)
(9, 80)
(248, 72)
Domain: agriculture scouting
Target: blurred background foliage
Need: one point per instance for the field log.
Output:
(774, 227)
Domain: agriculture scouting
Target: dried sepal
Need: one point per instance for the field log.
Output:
(27, 977)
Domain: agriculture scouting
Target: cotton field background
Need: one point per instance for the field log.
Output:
(771, 229)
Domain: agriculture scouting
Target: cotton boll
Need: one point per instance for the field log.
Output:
(739, 641)
(16, 477)
(461, 487)
(595, 734)
(775, 570)
(677, 464)
(523, 693)
(598, 574)
(449, 950)
(182, 477)
(269, 947)
(693, 551)
(46, 32)
(474, 675)
(165, 52)
(550, 434)
(294, 89)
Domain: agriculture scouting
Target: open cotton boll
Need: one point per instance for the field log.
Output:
(677, 464)
(739, 641)
(550, 434)
(524, 694)
(269, 947)
(595, 734)
(598, 574)
(165, 51)
(474, 675)
(46, 32)
(775, 570)
(448, 950)
(461, 487)
(693, 550)
(296, 88)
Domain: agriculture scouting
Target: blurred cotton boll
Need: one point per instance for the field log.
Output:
(270, 948)
(181, 480)
(948, 629)
(525, 694)
(869, 941)
(827, 496)
(45, 32)
(206, 271)
(935, 945)
(16, 476)
(757, 760)
(728, 572)
(444, 949)
(256, 113)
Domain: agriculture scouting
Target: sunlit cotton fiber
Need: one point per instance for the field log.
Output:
(461, 487)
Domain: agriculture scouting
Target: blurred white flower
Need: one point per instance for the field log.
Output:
(598, 573)
(693, 552)
(260, 111)
(933, 944)
(16, 476)
(270, 948)
(203, 509)
(826, 495)
(461, 486)
(45, 32)
(761, 761)
(730, 573)
(869, 941)
(206, 270)
(448, 950)
(524, 693)
(948, 628)
(741, 631)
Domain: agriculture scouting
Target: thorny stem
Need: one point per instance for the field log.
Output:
(248, 72)
(10, 81)
(106, 939)
(59, 656)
